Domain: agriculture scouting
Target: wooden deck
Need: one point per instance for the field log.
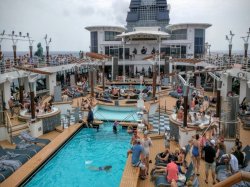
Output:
(29, 167)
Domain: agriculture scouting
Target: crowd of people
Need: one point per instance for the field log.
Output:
(214, 154)
(140, 152)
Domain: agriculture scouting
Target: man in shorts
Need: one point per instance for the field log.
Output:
(210, 158)
(137, 151)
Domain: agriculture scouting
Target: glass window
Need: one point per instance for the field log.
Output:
(94, 41)
(110, 36)
(199, 42)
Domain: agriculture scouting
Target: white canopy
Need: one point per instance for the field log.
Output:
(143, 34)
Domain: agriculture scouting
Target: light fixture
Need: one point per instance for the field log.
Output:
(20, 34)
(45, 37)
(28, 35)
(13, 32)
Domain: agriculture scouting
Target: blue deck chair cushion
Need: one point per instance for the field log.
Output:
(4, 174)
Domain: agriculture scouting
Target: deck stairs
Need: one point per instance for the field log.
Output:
(164, 122)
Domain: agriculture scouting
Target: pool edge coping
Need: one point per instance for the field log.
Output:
(32, 165)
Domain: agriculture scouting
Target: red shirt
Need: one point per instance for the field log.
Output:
(172, 171)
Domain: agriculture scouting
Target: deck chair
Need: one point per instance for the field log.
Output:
(28, 153)
(13, 156)
(28, 138)
(247, 154)
(5, 173)
(21, 144)
(162, 182)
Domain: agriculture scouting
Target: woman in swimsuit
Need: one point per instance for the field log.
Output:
(196, 153)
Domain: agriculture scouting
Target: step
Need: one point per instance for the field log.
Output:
(17, 132)
(19, 127)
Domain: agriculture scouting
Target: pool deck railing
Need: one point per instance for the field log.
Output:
(24, 172)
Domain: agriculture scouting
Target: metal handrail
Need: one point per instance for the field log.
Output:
(8, 125)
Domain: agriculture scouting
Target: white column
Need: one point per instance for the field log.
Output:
(6, 92)
(52, 83)
(26, 84)
(170, 71)
(244, 90)
(226, 85)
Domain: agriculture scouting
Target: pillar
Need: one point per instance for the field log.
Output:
(47, 54)
(31, 53)
(226, 84)
(26, 84)
(6, 92)
(154, 80)
(170, 71)
(244, 90)
(14, 54)
(51, 83)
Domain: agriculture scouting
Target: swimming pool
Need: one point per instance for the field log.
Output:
(111, 113)
(69, 167)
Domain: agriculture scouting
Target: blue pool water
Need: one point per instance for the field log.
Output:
(70, 165)
(111, 113)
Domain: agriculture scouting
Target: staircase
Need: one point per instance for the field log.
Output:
(164, 122)
(18, 128)
(15, 127)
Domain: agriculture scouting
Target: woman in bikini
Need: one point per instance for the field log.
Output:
(196, 153)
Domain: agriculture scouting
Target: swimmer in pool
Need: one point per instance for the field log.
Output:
(103, 168)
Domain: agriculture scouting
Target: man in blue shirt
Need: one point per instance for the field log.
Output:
(137, 151)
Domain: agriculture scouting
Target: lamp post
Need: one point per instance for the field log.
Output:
(47, 47)
(14, 42)
(32, 103)
(30, 44)
(245, 39)
(230, 45)
(1, 39)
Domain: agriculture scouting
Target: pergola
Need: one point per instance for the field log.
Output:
(141, 34)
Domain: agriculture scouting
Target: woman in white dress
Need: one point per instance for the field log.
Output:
(146, 143)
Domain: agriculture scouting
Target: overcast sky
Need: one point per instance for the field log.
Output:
(64, 20)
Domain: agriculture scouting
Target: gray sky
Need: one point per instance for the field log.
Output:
(64, 20)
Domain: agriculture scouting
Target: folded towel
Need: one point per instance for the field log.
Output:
(27, 136)
(4, 157)
(23, 145)
(12, 155)
(2, 167)
(15, 164)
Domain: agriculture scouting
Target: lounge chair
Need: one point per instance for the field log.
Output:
(21, 144)
(26, 152)
(27, 137)
(161, 181)
(5, 172)
(13, 156)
